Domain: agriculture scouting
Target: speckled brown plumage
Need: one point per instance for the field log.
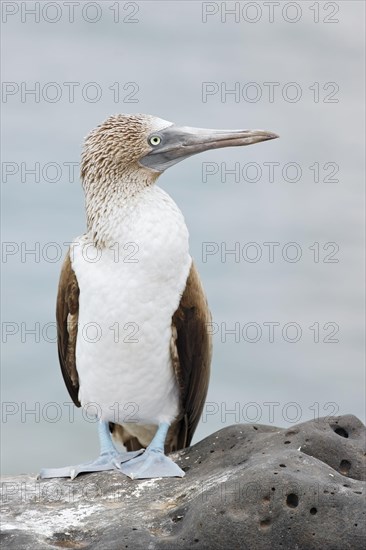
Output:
(110, 171)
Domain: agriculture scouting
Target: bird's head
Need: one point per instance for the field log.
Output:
(131, 148)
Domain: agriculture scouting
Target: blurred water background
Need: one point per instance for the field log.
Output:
(179, 60)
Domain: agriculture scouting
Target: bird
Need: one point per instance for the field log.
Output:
(133, 320)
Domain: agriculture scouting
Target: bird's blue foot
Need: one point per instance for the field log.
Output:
(106, 461)
(109, 458)
(153, 462)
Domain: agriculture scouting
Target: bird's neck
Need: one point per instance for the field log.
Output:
(107, 203)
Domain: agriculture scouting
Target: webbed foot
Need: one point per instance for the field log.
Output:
(151, 464)
(106, 461)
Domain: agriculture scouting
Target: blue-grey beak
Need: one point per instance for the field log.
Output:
(174, 144)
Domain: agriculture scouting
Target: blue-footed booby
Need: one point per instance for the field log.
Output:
(132, 268)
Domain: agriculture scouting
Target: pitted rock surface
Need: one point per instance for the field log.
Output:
(247, 486)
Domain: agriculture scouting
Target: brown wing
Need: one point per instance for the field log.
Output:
(67, 314)
(191, 351)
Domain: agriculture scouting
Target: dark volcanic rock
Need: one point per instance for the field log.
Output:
(246, 487)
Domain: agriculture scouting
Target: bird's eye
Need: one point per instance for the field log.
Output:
(155, 140)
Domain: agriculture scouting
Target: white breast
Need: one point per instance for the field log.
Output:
(129, 292)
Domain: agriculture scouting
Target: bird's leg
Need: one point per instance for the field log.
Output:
(109, 458)
(153, 462)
